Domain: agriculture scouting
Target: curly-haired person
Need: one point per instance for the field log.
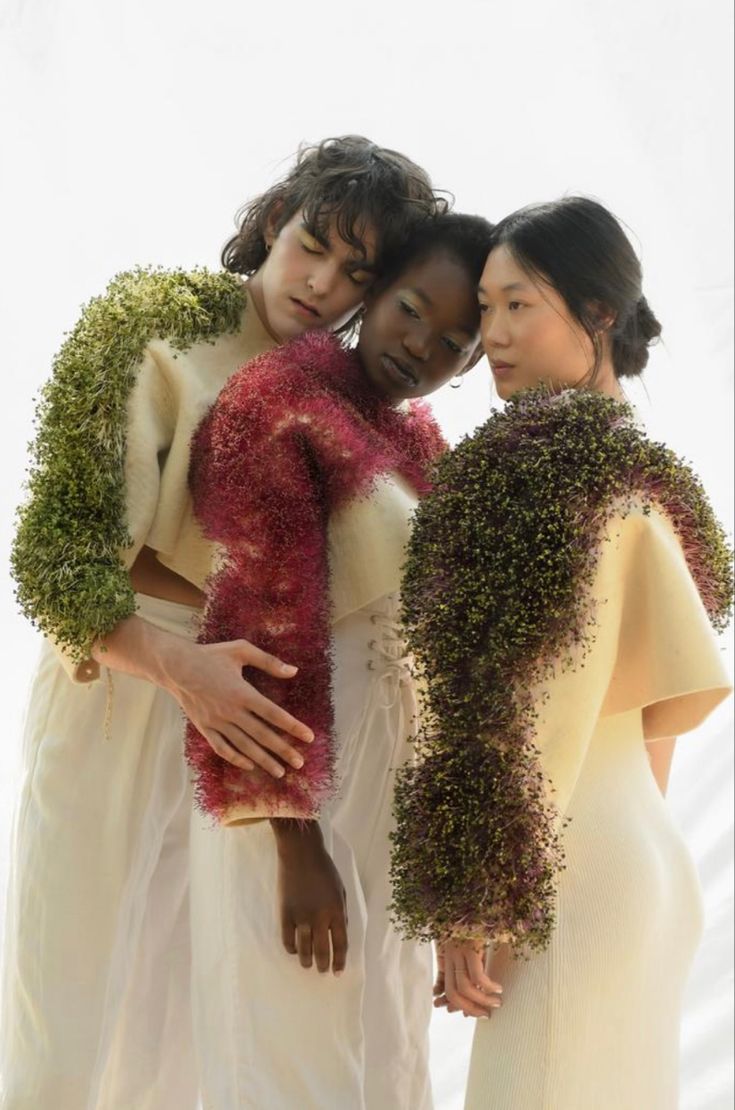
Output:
(110, 563)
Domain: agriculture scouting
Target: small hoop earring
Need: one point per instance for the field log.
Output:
(457, 385)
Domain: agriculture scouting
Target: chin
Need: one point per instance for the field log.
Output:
(505, 390)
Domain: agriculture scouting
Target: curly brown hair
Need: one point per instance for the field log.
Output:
(348, 179)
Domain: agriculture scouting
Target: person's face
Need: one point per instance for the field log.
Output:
(309, 282)
(421, 330)
(528, 333)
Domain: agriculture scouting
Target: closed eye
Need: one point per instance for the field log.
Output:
(361, 277)
(310, 244)
(409, 310)
(453, 346)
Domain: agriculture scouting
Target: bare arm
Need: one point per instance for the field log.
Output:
(660, 755)
(207, 682)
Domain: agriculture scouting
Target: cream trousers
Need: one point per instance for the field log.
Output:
(96, 1011)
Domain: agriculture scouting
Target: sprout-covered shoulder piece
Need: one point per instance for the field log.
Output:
(497, 595)
(72, 529)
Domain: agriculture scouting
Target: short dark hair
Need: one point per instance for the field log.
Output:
(348, 179)
(463, 237)
(578, 246)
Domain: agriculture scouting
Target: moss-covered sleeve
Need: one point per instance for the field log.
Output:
(514, 597)
(74, 525)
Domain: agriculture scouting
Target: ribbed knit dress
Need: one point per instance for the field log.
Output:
(592, 1023)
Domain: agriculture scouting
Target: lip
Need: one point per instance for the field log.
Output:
(500, 369)
(305, 309)
(399, 371)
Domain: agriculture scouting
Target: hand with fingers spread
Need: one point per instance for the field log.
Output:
(240, 724)
(462, 982)
(313, 911)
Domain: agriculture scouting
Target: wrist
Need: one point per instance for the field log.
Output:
(138, 648)
(167, 660)
(294, 836)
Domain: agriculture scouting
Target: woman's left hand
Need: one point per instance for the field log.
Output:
(462, 982)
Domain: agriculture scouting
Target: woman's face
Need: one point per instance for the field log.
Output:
(528, 333)
(308, 282)
(421, 330)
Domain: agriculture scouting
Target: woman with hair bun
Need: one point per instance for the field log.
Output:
(563, 582)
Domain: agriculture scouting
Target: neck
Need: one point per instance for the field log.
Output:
(255, 289)
(606, 381)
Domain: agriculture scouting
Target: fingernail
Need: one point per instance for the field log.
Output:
(280, 772)
(288, 668)
(297, 761)
(337, 974)
(308, 737)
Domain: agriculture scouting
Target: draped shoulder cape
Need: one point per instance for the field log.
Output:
(564, 568)
(294, 435)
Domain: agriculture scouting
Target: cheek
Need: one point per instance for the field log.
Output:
(279, 264)
(380, 322)
(535, 334)
(550, 339)
(348, 295)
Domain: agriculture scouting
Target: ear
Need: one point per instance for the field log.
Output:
(602, 317)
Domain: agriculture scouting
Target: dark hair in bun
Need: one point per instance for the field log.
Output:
(631, 339)
(577, 246)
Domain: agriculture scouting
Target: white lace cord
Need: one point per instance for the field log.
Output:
(394, 661)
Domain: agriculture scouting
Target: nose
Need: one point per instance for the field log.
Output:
(417, 342)
(494, 332)
(320, 281)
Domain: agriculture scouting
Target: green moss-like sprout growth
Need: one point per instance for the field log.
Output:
(66, 559)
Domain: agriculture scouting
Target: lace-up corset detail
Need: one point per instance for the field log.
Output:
(389, 654)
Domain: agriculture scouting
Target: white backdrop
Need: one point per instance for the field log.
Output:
(132, 131)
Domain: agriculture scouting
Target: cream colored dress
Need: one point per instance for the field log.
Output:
(593, 1022)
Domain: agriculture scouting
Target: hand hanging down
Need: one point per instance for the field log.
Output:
(462, 982)
(311, 897)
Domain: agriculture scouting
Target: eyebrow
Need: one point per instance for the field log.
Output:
(506, 288)
(353, 264)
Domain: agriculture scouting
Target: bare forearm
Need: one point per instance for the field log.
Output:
(138, 648)
(660, 755)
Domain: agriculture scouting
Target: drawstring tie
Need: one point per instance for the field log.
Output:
(392, 658)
